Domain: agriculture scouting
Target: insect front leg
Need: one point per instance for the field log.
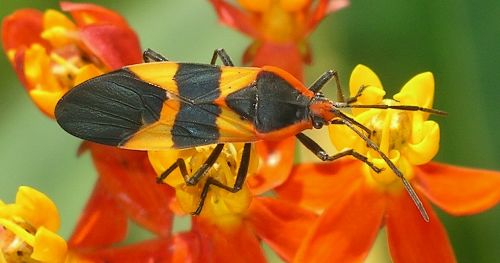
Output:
(238, 184)
(224, 57)
(312, 146)
(150, 55)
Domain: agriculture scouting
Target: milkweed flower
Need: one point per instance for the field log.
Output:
(363, 201)
(28, 229)
(52, 53)
(279, 30)
(230, 225)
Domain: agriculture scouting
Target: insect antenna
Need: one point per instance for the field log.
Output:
(418, 203)
(396, 107)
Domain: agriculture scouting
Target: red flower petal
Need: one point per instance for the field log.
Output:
(280, 224)
(18, 65)
(283, 55)
(277, 158)
(238, 244)
(316, 185)
(102, 222)
(411, 239)
(22, 28)
(148, 251)
(459, 190)
(185, 247)
(235, 18)
(86, 14)
(346, 230)
(129, 176)
(323, 8)
(115, 46)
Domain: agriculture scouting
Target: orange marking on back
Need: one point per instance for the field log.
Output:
(158, 73)
(156, 136)
(235, 78)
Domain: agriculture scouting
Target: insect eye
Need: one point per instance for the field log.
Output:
(318, 123)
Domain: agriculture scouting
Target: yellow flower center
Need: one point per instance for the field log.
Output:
(280, 21)
(27, 229)
(221, 207)
(391, 131)
(12, 247)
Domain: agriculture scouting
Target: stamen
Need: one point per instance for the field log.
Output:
(69, 67)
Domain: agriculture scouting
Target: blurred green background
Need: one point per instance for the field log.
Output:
(459, 41)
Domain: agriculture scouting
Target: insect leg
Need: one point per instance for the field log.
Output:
(193, 180)
(322, 80)
(240, 179)
(224, 57)
(150, 55)
(393, 167)
(182, 166)
(206, 165)
(312, 146)
(353, 121)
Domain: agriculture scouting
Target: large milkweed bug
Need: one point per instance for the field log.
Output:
(162, 104)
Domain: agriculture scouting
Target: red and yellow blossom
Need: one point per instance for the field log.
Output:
(51, 53)
(28, 229)
(279, 28)
(230, 224)
(363, 201)
(28, 232)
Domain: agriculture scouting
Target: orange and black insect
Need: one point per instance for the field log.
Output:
(162, 104)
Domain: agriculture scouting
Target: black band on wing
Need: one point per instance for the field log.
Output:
(110, 108)
(195, 123)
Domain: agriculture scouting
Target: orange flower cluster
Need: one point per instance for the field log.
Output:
(314, 212)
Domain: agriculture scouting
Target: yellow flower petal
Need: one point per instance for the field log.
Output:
(86, 72)
(37, 69)
(58, 36)
(373, 94)
(53, 18)
(343, 137)
(46, 100)
(386, 176)
(37, 209)
(162, 160)
(418, 91)
(422, 151)
(49, 247)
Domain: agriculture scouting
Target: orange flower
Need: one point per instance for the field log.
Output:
(279, 29)
(126, 189)
(51, 53)
(28, 232)
(362, 201)
(230, 224)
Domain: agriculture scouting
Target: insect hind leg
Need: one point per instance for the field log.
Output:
(224, 57)
(150, 55)
(238, 184)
